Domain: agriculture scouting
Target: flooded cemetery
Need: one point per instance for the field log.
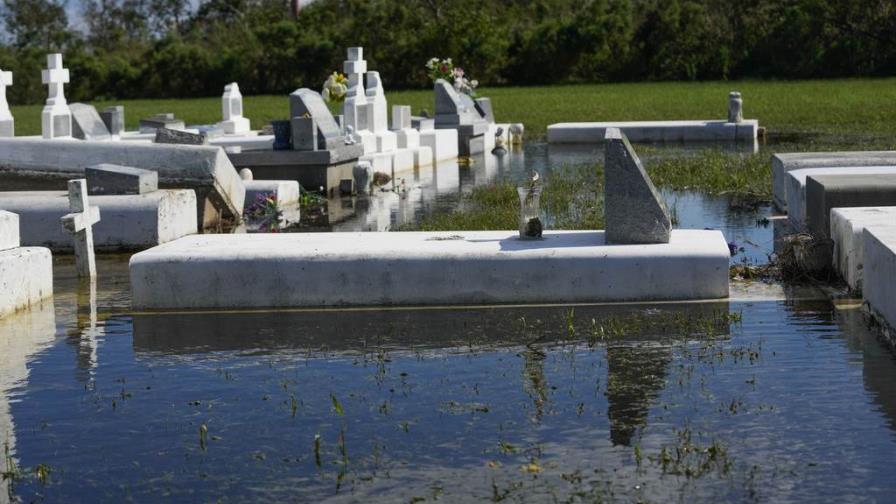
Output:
(365, 301)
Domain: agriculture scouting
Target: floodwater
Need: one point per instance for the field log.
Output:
(778, 394)
(775, 395)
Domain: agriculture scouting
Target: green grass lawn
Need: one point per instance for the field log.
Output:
(849, 108)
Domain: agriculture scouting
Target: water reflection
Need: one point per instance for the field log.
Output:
(21, 337)
(409, 329)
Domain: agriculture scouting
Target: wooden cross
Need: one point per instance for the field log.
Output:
(79, 223)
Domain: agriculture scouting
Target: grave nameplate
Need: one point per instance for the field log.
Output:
(113, 118)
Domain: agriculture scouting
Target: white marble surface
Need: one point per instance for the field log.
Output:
(847, 225)
(447, 268)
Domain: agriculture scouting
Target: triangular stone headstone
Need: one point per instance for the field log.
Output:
(634, 210)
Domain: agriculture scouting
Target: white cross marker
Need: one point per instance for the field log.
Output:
(56, 118)
(7, 124)
(79, 223)
(355, 98)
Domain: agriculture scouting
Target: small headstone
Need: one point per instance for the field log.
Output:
(307, 103)
(735, 108)
(484, 107)
(7, 123)
(452, 108)
(170, 136)
(282, 131)
(9, 230)
(87, 123)
(56, 118)
(113, 118)
(232, 111)
(304, 134)
(635, 212)
(79, 222)
(115, 179)
(167, 120)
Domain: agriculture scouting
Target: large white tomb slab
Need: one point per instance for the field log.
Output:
(879, 278)
(423, 268)
(129, 222)
(656, 131)
(204, 168)
(26, 273)
(847, 226)
(795, 183)
(786, 162)
(442, 142)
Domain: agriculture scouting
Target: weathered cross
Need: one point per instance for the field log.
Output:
(55, 77)
(79, 223)
(56, 117)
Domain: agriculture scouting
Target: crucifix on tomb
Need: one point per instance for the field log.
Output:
(79, 222)
(56, 117)
(7, 123)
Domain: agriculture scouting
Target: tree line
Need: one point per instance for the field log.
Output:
(176, 48)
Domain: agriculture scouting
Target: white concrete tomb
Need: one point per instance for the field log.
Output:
(233, 122)
(424, 268)
(796, 187)
(7, 123)
(26, 273)
(847, 225)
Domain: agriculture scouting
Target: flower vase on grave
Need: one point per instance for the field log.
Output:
(530, 223)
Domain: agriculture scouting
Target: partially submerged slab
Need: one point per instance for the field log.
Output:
(220, 192)
(785, 162)
(655, 131)
(422, 268)
(824, 192)
(795, 183)
(847, 225)
(879, 287)
(129, 222)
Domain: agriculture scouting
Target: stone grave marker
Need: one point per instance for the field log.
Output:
(79, 222)
(7, 123)
(304, 134)
(56, 117)
(635, 212)
(307, 103)
(87, 123)
(355, 105)
(450, 107)
(113, 118)
(170, 136)
(232, 111)
(115, 179)
(377, 111)
(9, 230)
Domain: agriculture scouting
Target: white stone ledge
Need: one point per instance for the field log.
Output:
(795, 187)
(127, 222)
(395, 269)
(26, 278)
(879, 278)
(786, 162)
(655, 131)
(847, 225)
